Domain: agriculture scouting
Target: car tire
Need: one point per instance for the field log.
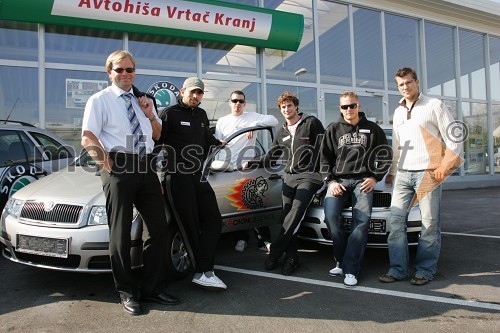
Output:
(178, 263)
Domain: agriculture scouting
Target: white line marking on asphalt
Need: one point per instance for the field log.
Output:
(469, 235)
(420, 297)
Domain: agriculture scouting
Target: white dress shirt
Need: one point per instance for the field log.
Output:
(106, 116)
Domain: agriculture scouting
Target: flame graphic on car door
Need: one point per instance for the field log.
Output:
(249, 193)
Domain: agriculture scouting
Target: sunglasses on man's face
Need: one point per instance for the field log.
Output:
(241, 101)
(120, 70)
(347, 106)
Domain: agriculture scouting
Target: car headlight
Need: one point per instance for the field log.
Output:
(98, 215)
(13, 207)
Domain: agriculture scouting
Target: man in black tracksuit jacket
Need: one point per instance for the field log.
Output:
(297, 142)
(187, 139)
(354, 157)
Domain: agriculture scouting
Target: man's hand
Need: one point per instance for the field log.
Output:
(223, 143)
(389, 179)
(368, 184)
(146, 106)
(440, 173)
(250, 135)
(336, 189)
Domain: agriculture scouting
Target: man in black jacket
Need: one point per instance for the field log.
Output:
(354, 157)
(187, 139)
(298, 142)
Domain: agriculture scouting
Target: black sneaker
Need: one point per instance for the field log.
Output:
(290, 265)
(271, 263)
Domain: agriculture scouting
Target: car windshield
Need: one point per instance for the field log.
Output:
(84, 160)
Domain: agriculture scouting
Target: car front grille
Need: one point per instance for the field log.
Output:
(73, 261)
(61, 213)
(381, 199)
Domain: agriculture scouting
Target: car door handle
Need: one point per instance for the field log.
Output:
(275, 176)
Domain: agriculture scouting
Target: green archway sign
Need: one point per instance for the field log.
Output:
(193, 19)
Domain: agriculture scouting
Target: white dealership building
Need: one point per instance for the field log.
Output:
(52, 58)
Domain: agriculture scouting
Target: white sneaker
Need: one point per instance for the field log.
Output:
(350, 280)
(240, 246)
(266, 247)
(209, 280)
(336, 271)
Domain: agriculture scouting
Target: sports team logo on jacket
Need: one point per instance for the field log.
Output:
(353, 139)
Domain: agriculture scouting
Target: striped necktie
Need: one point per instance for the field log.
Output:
(135, 127)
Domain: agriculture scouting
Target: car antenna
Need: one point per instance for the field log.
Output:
(5, 122)
(215, 110)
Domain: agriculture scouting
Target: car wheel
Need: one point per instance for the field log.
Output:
(178, 263)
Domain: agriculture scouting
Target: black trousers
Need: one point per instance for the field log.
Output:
(297, 193)
(197, 208)
(135, 182)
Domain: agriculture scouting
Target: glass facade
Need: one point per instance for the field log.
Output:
(47, 72)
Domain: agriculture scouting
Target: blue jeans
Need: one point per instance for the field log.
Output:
(428, 194)
(349, 251)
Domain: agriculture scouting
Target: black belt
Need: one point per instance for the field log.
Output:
(130, 157)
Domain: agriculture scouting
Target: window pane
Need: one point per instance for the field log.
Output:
(472, 68)
(334, 43)
(402, 39)
(495, 68)
(373, 108)
(476, 144)
(163, 53)
(393, 104)
(16, 147)
(67, 94)
(53, 149)
(81, 46)
(306, 96)
(229, 59)
(19, 41)
(284, 64)
(217, 93)
(439, 48)
(332, 111)
(368, 49)
(496, 137)
(19, 97)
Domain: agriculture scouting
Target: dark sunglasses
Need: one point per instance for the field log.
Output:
(120, 70)
(352, 106)
(241, 101)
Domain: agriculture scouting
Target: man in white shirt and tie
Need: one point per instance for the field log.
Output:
(119, 125)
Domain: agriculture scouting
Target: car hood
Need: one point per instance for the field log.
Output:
(72, 184)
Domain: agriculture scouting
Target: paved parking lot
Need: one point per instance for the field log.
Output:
(465, 294)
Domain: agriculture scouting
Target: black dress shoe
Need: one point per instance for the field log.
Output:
(271, 263)
(162, 298)
(130, 305)
(291, 264)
